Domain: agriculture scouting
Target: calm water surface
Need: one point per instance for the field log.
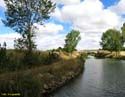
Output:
(101, 78)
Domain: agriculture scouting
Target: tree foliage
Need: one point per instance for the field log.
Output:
(111, 40)
(3, 55)
(21, 16)
(72, 40)
(123, 33)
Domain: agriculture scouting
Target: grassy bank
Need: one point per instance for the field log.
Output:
(108, 54)
(42, 79)
(18, 60)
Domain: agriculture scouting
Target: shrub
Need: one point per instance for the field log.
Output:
(3, 56)
(11, 62)
(83, 56)
(32, 59)
(103, 55)
(27, 86)
(51, 58)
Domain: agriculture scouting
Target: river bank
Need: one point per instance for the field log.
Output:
(40, 81)
(68, 73)
(107, 54)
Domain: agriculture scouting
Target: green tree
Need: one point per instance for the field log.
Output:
(123, 33)
(4, 45)
(111, 40)
(21, 16)
(3, 55)
(71, 41)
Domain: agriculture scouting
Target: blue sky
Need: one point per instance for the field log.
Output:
(90, 17)
(108, 3)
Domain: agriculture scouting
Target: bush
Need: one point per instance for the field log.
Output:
(37, 58)
(51, 58)
(3, 56)
(11, 62)
(32, 59)
(27, 86)
(83, 56)
(103, 55)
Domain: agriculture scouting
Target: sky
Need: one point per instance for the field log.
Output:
(90, 17)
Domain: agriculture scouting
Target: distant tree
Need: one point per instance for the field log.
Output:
(59, 49)
(71, 41)
(4, 45)
(21, 16)
(123, 33)
(3, 55)
(111, 40)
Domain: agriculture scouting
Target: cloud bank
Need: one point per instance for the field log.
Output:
(89, 17)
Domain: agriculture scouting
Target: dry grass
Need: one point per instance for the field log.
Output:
(41, 77)
(122, 53)
(109, 54)
(67, 56)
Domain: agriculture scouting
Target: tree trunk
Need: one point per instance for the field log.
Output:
(29, 40)
(117, 53)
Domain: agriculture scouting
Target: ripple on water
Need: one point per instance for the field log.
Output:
(101, 78)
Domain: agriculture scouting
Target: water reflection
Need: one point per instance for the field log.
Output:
(91, 57)
(101, 78)
(113, 78)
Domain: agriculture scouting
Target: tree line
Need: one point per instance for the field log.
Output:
(113, 40)
(21, 15)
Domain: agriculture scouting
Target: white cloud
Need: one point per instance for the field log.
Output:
(119, 7)
(48, 37)
(90, 41)
(9, 39)
(57, 13)
(66, 2)
(48, 28)
(2, 4)
(50, 42)
(89, 17)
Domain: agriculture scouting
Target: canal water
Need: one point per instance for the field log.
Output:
(101, 78)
